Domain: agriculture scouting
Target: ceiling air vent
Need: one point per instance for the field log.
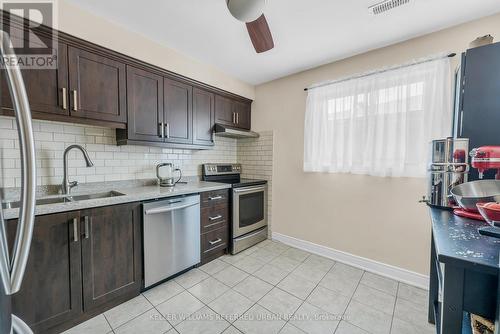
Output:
(385, 6)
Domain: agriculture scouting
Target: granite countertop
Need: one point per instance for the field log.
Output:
(134, 191)
(458, 241)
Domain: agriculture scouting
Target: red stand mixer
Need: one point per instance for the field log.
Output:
(485, 158)
(467, 195)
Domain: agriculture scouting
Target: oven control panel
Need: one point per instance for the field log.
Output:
(221, 169)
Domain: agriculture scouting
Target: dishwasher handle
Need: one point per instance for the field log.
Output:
(168, 208)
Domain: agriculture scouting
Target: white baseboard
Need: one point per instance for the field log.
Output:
(398, 274)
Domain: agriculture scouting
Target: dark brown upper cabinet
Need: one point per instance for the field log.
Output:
(166, 112)
(97, 86)
(111, 253)
(46, 88)
(51, 292)
(203, 117)
(242, 112)
(232, 112)
(178, 109)
(147, 105)
(224, 113)
(144, 107)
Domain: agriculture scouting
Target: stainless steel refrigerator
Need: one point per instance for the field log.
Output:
(13, 261)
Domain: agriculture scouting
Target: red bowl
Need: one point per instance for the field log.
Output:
(490, 212)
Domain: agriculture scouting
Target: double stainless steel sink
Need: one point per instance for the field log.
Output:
(64, 199)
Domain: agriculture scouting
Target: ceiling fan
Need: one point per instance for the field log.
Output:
(251, 12)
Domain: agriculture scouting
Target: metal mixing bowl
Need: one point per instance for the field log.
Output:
(468, 194)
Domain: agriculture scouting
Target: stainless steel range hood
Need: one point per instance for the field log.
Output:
(227, 131)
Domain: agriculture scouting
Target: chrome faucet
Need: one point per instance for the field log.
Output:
(66, 185)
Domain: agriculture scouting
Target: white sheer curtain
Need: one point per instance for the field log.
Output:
(379, 124)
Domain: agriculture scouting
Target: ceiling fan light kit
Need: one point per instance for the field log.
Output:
(246, 10)
(251, 12)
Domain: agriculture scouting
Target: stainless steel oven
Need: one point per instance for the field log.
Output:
(249, 209)
(248, 204)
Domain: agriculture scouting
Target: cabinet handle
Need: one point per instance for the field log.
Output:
(75, 229)
(215, 198)
(75, 100)
(64, 99)
(162, 130)
(87, 226)
(214, 218)
(214, 242)
(168, 129)
(234, 118)
(237, 118)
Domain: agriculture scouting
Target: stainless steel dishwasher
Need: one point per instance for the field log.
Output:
(171, 237)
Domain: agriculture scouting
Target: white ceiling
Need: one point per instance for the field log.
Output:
(307, 33)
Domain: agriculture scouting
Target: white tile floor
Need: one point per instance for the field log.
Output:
(270, 288)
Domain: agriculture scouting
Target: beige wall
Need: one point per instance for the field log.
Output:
(81, 23)
(376, 218)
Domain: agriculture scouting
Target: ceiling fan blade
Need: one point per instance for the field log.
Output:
(261, 36)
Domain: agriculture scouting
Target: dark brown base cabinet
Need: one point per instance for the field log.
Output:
(214, 225)
(111, 253)
(51, 292)
(81, 263)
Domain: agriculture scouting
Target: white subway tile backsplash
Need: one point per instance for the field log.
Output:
(50, 127)
(7, 143)
(76, 130)
(94, 132)
(111, 162)
(10, 153)
(8, 134)
(116, 163)
(6, 123)
(256, 157)
(64, 137)
(95, 178)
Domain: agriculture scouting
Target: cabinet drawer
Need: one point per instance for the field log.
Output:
(212, 198)
(214, 242)
(213, 218)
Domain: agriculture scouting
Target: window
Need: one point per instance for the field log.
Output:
(379, 124)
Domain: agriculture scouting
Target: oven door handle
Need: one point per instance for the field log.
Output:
(250, 235)
(246, 190)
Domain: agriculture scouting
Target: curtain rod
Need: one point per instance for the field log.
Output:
(451, 55)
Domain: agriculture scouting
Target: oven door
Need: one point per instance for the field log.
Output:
(249, 209)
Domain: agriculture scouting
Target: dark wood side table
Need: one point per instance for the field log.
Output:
(464, 272)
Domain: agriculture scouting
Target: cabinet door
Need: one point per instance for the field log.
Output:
(97, 86)
(144, 105)
(242, 111)
(51, 292)
(224, 111)
(45, 88)
(111, 253)
(203, 117)
(178, 112)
